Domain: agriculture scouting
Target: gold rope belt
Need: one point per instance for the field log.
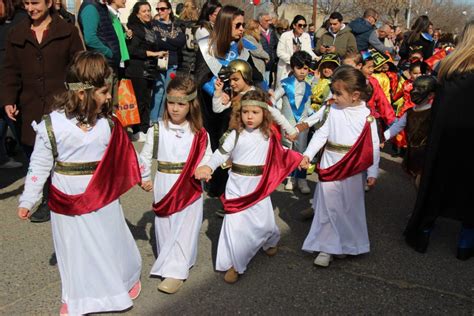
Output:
(245, 170)
(338, 147)
(170, 167)
(76, 168)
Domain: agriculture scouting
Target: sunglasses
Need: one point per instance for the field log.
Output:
(162, 9)
(239, 25)
(301, 25)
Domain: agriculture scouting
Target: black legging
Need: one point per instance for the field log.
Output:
(143, 89)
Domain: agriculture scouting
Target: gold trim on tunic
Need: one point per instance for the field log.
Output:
(339, 148)
(76, 168)
(170, 167)
(246, 170)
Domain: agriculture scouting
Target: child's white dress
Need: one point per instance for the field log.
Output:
(339, 224)
(98, 259)
(244, 233)
(176, 235)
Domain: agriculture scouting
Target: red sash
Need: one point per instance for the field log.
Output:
(116, 173)
(359, 158)
(186, 189)
(279, 163)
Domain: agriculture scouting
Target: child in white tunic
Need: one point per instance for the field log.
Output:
(98, 259)
(339, 225)
(244, 232)
(171, 140)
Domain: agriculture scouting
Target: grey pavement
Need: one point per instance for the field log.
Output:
(391, 279)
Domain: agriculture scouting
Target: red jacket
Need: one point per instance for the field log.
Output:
(379, 104)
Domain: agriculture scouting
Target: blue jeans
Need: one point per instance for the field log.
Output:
(158, 100)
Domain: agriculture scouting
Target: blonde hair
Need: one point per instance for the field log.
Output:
(91, 68)
(461, 60)
(187, 85)
(253, 29)
(190, 12)
(236, 117)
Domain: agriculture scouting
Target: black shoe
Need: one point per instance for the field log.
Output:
(42, 214)
(419, 241)
(465, 253)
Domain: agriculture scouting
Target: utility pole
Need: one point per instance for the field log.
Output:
(409, 14)
(315, 10)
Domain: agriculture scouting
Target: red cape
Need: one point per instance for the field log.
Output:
(116, 173)
(186, 189)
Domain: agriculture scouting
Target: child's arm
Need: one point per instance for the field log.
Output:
(311, 120)
(281, 120)
(39, 170)
(145, 159)
(396, 127)
(221, 155)
(277, 95)
(373, 170)
(317, 142)
(220, 103)
(207, 154)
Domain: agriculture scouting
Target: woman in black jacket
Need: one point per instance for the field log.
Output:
(418, 39)
(142, 68)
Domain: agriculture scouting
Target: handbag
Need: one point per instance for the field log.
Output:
(127, 111)
(162, 63)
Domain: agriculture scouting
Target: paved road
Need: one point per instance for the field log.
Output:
(392, 279)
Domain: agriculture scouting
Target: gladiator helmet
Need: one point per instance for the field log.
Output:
(238, 65)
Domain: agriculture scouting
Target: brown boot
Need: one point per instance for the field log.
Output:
(231, 276)
(271, 251)
(170, 285)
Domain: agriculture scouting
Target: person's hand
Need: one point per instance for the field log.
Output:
(203, 173)
(161, 54)
(225, 98)
(291, 137)
(304, 164)
(302, 126)
(371, 182)
(218, 86)
(11, 111)
(322, 49)
(129, 33)
(146, 185)
(271, 93)
(23, 213)
(331, 49)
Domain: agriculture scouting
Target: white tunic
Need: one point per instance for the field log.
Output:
(244, 233)
(339, 224)
(98, 259)
(176, 235)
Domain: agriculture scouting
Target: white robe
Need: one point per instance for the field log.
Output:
(339, 224)
(244, 233)
(176, 235)
(98, 259)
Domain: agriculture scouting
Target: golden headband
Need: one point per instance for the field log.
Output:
(183, 99)
(77, 86)
(260, 104)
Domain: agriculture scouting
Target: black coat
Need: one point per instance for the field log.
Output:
(143, 39)
(427, 46)
(443, 190)
(270, 47)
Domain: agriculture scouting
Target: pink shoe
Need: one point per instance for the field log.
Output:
(135, 291)
(63, 311)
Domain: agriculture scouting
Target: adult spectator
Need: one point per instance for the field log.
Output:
(122, 34)
(292, 41)
(142, 69)
(338, 38)
(269, 41)
(60, 6)
(259, 56)
(98, 32)
(38, 52)
(319, 32)
(188, 24)
(365, 34)
(281, 27)
(443, 189)
(169, 38)
(384, 35)
(11, 13)
(207, 18)
(418, 38)
(224, 45)
(312, 33)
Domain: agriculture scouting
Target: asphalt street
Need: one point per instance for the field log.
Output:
(391, 279)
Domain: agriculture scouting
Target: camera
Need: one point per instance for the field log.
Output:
(224, 75)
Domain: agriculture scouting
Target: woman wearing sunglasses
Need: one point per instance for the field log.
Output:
(225, 44)
(169, 38)
(294, 40)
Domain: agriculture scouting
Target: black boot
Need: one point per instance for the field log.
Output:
(419, 241)
(466, 243)
(42, 214)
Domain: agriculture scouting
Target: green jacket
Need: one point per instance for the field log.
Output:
(344, 41)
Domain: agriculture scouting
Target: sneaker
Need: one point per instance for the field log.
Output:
(289, 184)
(139, 137)
(63, 310)
(220, 213)
(42, 214)
(323, 259)
(303, 186)
(271, 251)
(135, 291)
(231, 276)
(11, 164)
